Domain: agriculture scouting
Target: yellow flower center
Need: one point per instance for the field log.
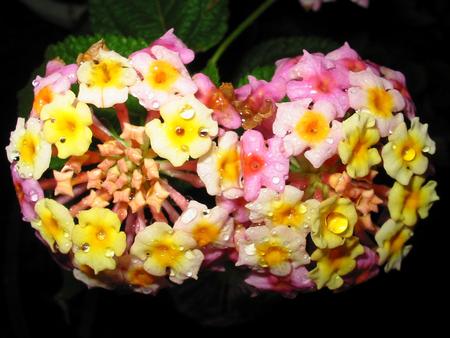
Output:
(380, 102)
(272, 254)
(43, 97)
(106, 73)
(398, 242)
(162, 75)
(336, 222)
(183, 129)
(50, 224)
(412, 201)
(229, 165)
(166, 253)
(27, 147)
(288, 214)
(408, 154)
(205, 233)
(312, 127)
(67, 124)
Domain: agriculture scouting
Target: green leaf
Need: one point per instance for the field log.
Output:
(212, 72)
(70, 47)
(261, 73)
(57, 163)
(269, 51)
(201, 24)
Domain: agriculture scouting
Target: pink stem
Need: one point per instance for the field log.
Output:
(122, 114)
(152, 114)
(77, 191)
(187, 166)
(193, 179)
(130, 229)
(173, 214)
(100, 131)
(179, 199)
(158, 216)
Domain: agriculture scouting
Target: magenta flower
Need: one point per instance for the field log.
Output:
(262, 165)
(366, 268)
(172, 42)
(216, 98)
(57, 80)
(297, 280)
(28, 193)
(235, 207)
(320, 79)
(347, 57)
(284, 71)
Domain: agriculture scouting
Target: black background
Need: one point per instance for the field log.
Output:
(406, 35)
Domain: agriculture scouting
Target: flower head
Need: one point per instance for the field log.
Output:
(279, 249)
(404, 155)
(391, 239)
(67, 125)
(28, 192)
(58, 79)
(332, 264)
(303, 128)
(336, 223)
(162, 248)
(170, 41)
(376, 96)
(104, 76)
(355, 150)
(97, 239)
(55, 224)
(163, 76)
(209, 227)
(28, 149)
(220, 168)
(285, 208)
(262, 166)
(320, 79)
(407, 202)
(347, 57)
(186, 131)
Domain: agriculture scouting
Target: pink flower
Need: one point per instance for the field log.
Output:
(302, 128)
(163, 76)
(262, 165)
(28, 193)
(320, 79)
(57, 80)
(235, 207)
(217, 99)
(347, 57)
(399, 82)
(297, 280)
(376, 96)
(256, 103)
(284, 71)
(366, 268)
(316, 4)
(172, 42)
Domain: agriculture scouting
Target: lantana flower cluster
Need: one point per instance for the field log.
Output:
(315, 179)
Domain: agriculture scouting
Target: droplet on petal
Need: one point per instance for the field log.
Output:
(276, 180)
(187, 114)
(203, 132)
(109, 252)
(85, 247)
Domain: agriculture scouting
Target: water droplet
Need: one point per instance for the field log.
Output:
(250, 249)
(306, 225)
(188, 215)
(34, 196)
(226, 237)
(181, 248)
(203, 132)
(189, 274)
(62, 139)
(187, 114)
(85, 247)
(172, 273)
(270, 214)
(179, 131)
(101, 235)
(109, 252)
(276, 180)
(206, 212)
(155, 105)
(390, 131)
(329, 140)
(66, 234)
(35, 83)
(305, 257)
(394, 147)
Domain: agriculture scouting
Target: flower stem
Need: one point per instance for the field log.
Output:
(239, 29)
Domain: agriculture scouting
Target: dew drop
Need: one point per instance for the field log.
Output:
(179, 131)
(109, 252)
(189, 274)
(187, 114)
(181, 248)
(394, 147)
(189, 215)
(329, 140)
(206, 212)
(172, 273)
(66, 234)
(276, 180)
(34, 196)
(155, 105)
(35, 83)
(203, 132)
(62, 140)
(226, 238)
(85, 247)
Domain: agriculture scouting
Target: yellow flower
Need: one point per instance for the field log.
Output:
(360, 134)
(405, 202)
(404, 155)
(67, 125)
(391, 239)
(105, 78)
(162, 248)
(55, 224)
(29, 149)
(98, 239)
(337, 219)
(334, 263)
(186, 131)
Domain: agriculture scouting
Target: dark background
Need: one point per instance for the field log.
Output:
(408, 35)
